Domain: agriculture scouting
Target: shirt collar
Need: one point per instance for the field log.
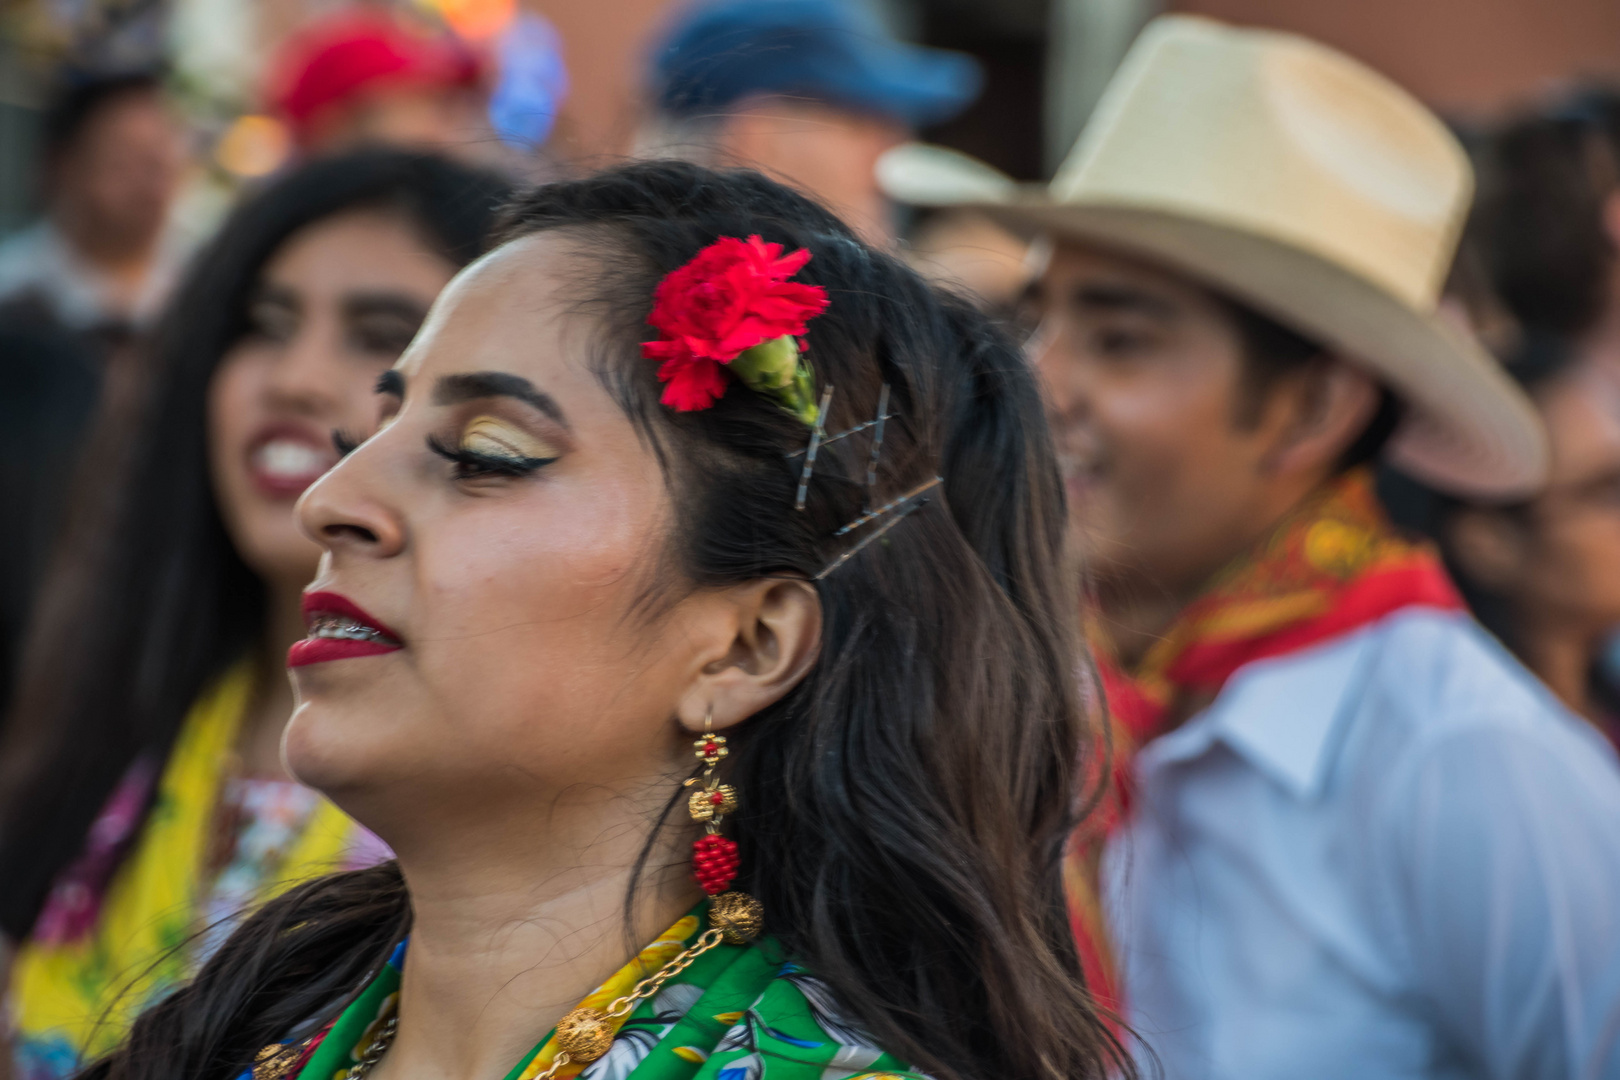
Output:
(1278, 714)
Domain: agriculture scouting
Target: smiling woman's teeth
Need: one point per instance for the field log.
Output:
(342, 629)
(287, 457)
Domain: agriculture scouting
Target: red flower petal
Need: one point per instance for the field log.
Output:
(733, 295)
(690, 386)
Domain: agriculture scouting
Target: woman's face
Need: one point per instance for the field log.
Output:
(334, 307)
(501, 533)
(1571, 570)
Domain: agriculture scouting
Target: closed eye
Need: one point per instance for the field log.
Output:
(473, 464)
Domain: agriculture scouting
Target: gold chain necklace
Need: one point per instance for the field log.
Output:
(584, 1034)
(377, 1047)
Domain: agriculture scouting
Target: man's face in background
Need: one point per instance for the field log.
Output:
(826, 151)
(1144, 373)
(114, 183)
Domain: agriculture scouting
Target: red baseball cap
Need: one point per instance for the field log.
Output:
(351, 55)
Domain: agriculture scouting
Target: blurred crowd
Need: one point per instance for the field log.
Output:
(182, 360)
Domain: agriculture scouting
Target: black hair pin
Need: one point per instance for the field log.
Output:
(897, 509)
(817, 433)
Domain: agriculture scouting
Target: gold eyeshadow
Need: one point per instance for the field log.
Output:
(490, 436)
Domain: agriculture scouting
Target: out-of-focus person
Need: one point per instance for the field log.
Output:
(77, 288)
(52, 380)
(366, 76)
(1358, 838)
(1553, 203)
(1537, 278)
(810, 92)
(143, 803)
(958, 248)
(114, 155)
(1543, 574)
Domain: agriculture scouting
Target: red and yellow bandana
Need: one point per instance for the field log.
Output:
(1334, 565)
(1331, 567)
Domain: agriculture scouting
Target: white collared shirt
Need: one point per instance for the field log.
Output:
(40, 261)
(1392, 855)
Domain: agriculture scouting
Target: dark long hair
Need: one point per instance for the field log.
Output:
(909, 801)
(148, 599)
(1539, 219)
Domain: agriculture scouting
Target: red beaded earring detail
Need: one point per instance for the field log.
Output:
(714, 857)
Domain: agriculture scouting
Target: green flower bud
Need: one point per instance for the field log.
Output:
(769, 365)
(774, 368)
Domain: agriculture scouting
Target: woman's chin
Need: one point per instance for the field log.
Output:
(320, 754)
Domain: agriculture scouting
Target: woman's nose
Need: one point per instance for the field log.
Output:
(348, 511)
(308, 373)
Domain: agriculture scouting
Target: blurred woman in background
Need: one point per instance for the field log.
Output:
(1544, 575)
(143, 803)
(1537, 277)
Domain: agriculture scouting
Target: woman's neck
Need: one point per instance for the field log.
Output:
(1562, 657)
(510, 931)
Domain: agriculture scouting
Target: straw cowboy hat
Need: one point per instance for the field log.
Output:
(1292, 178)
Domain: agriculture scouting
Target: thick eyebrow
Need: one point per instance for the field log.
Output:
(265, 292)
(452, 389)
(400, 305)
(392, 383)
(1124, 298)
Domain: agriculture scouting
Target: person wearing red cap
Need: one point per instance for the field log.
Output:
(365, 77)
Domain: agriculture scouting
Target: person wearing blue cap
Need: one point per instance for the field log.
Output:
(809, 91)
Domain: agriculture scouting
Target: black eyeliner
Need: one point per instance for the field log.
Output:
(470, 464)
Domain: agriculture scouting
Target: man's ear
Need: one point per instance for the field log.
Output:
(1330, 405)
(1489, 547)
(774, 637)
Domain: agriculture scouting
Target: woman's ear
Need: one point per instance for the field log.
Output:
(1489, 547)
(775, 638)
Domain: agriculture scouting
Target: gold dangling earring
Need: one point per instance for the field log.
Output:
(734, 917)
(714, 857)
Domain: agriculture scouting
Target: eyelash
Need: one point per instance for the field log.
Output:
(472, 466)
(343, 442)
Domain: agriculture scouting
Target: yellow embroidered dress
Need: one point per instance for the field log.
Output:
(93, 962)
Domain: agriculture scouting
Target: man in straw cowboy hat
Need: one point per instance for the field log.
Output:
(1358, 839)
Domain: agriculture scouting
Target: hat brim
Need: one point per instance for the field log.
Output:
(918, 85)
(1468, 430)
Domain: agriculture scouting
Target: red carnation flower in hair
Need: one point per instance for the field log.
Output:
(734, 295)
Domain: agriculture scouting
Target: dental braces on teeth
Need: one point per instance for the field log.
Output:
(342, 628)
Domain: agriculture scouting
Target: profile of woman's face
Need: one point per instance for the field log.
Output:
(1571, 572)
(491, 553)
(333, 307)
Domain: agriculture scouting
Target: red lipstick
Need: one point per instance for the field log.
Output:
(340, 629)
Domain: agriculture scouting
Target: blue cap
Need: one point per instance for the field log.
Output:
(824, 50)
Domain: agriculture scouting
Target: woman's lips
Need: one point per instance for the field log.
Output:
(1081, 475)
(340, 629)
(284, 460)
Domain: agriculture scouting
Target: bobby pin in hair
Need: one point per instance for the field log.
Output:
(856, 430)
(890, 505)
(905, 504)
(877, 445)
(816, 435)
